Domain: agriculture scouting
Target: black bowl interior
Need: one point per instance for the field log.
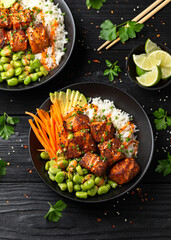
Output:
(144, 136)
(131, 68)
(70, 28)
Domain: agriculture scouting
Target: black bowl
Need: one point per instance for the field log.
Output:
(123, 101)
(70, 28)
(131, 68)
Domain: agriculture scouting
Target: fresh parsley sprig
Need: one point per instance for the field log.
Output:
(113, 70)
(162, 120)
(55, 211)
(125, 30)
(95, 4)
(3, 170)
(164, 165)
(6, 128)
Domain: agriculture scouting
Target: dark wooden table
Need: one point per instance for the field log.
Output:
(144, 213)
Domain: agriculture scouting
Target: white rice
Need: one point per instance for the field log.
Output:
(119, 119)
(51, 12)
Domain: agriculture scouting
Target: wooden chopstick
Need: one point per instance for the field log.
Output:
(144, 19)
(138, 17)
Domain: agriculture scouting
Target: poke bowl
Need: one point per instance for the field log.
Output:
(36, 42)
(93, 163)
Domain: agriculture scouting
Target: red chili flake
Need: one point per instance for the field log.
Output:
(99, 220)
(158, 35)
(131, 222)
(25, 146)
(25, 195)
(132, 193)
(30, 171)
(142, 200)
(96, 61)
(111, 12)
(152, 198)
(100, 52)
(146, 199)
(97, 26)
(113, 226)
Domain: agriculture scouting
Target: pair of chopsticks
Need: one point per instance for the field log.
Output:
(141, 18)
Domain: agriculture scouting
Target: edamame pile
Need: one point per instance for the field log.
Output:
(70, 176)
(19, 67)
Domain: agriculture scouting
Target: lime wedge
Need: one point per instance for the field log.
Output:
(151, 46)
(162, 56)
(150, 78)
(140, 71)
(144, 62)
(166, 72)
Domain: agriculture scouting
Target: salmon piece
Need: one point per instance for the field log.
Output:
(38, 38)
(18, 40)
(111, 150)
(124, 171)
(77, 123)
(5, 18)
(102, 131)
(93, 163)
(3, 38)
(21, 19)
(73, 151)
(16, 6)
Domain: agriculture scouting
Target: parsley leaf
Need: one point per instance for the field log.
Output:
(55, 211)
(126, 30)
(113, 70)
(3, 170)
(162, 120)
(6, 130)
(96, 4)
(164, 165)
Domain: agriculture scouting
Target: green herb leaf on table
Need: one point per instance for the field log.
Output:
(161, 119)
(125, 30)
(96, 4)
(164, 165)
(6, 128)
(3, 170)
(113, 70)
(55, 211)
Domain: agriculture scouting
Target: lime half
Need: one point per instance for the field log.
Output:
(140, 71)
(150, 78)
(166, 72)
(162, 56)
(144, 62)
(151, 46)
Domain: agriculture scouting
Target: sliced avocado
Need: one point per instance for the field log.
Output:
(72, 98)
(68, 99)
(76, 99)
(62, 101)
(7, 3)
(82, 100)
(54, 96)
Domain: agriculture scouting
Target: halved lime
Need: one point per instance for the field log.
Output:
(162, 56)
(150, 78)
(166, 72)
(140, 71)
(144, 62)
(151, 46)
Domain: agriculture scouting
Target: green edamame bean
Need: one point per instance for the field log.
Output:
(70, 186)
(108, 186)
(1, 68)
(47, 165)
(27, 80)
(7, 66)
(18, 55)
(30, 56)
(78, 179)
(22, 76)
(51, 176)
(89, 176)
(62, 164)
(92, 192)
(3, 75)
(5, 59)
(44, 71)
(52, 162)
(70, 176)
(61, 159)
(12, 63)
(60, 176)
(44, 155)
(34, 77)
(85, 171)
(18, 71)
(77, 188)
(103, 190)
(70, 136)
(82, 187)
(1, 80)
(29, 69)
(37, 70)
(40, 74)
(79, 170)
(54, 170)
(99, 181)
(6, 51)
(89, 184)
(10, 73)
(81, 195)
(35, 64)
(17, 63)
(25, 61)
(63, 186)
(112, 183)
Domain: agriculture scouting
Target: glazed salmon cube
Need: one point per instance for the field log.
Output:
(3, 38)
(102, 131)
(38, 38)
(77, 123)
(17, 40)
(21, 19)
(5, 18)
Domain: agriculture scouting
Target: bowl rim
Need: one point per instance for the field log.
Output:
(66, 61)
(142, 174)
(138, 84)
